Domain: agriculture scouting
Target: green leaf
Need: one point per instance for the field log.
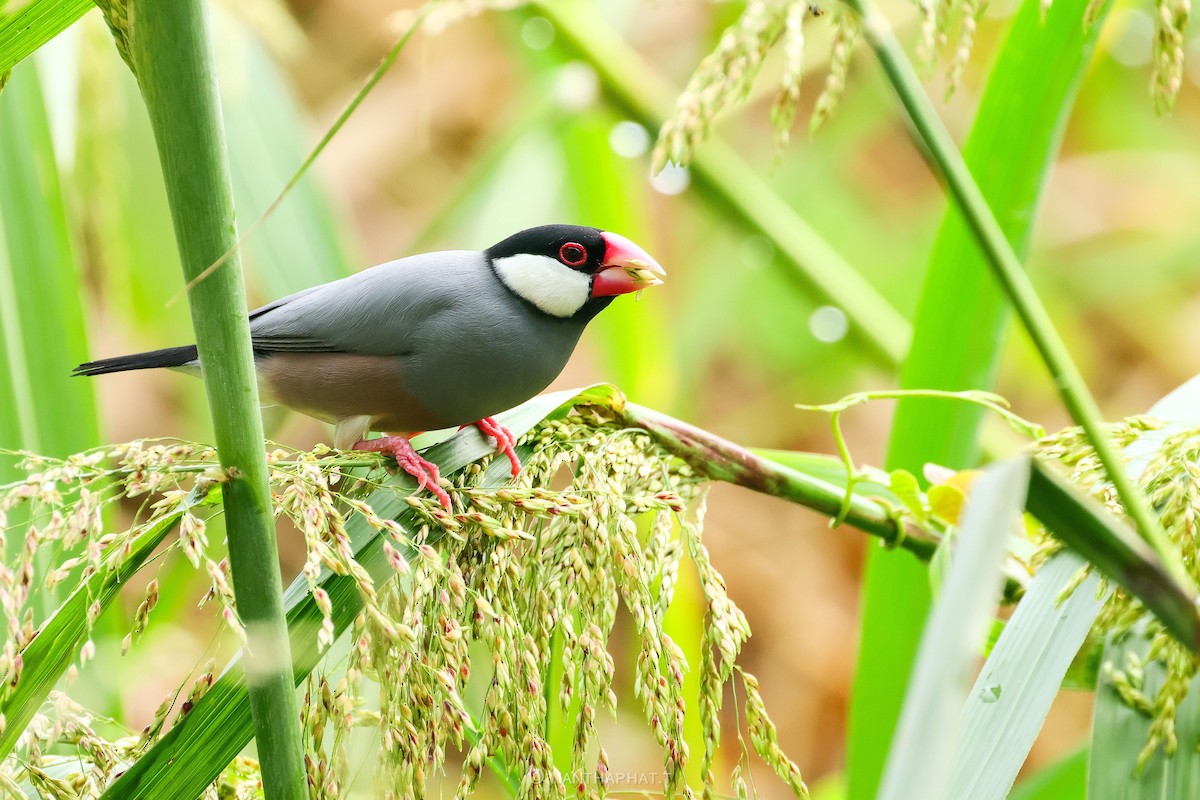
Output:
(192, 753)
(42, 326)
(42, 329)
(946, 502)
(906, 488)
(122, 203)
(957, 338)
(948, 164)
(926, 737)
(33, 24)
(1007, 705)
(634, 337)
(1065, 779)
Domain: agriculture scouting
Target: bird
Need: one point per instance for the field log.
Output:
(431, 341)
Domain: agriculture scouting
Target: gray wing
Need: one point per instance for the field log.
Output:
(379, 311)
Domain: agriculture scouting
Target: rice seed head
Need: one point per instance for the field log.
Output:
(1170, 481)
(520, 579)
(1171, 19)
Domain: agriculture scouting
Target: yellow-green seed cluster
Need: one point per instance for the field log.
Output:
(495, 617)
(95, 761)
(723, 78)
(1171, 19)
(519, 602)
(1170, 479)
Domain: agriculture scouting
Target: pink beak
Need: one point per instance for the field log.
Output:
(626, 268)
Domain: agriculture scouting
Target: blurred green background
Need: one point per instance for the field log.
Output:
(495, 125)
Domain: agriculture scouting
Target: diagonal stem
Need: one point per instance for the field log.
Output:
(947, 162)
(170, 50)
(1075, 519)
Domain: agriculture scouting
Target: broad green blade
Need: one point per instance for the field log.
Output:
(122, 205)
(927, 734)
(42, 326)
(609, 192)
(958, 337)
(42, 331)
(1008, 703)
(189, 757)
(57, 643)
(33, 24)
(1063, 780)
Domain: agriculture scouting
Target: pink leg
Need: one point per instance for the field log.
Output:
(504, 440)
(401, 449)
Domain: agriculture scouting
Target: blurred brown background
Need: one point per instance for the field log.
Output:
(491, 126)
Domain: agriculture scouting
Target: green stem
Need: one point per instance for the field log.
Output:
(721, 460)
(637, 88)
(852, 474)
(948, 163)
(170, 50)
(1075, 519)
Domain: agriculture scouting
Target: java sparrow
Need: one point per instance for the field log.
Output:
(431, 341)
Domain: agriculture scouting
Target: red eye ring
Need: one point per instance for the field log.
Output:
(573, 254)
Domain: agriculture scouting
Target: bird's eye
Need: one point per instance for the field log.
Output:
(572, 254)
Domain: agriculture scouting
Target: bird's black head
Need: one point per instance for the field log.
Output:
(574, 246)
(571, 271)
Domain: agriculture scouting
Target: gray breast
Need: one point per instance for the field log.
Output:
(486, 352)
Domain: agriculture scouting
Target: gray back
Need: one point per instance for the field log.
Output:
(466, 346)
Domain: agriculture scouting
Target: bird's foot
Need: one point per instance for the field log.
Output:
(504, 440)
(425, 471)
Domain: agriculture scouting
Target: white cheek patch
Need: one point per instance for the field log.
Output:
(553, 287)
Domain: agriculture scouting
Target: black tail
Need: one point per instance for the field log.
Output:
(168, 357)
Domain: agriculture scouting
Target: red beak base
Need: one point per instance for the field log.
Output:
(626, 268)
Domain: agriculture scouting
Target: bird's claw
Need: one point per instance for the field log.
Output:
(424, 471)
(504, 441)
